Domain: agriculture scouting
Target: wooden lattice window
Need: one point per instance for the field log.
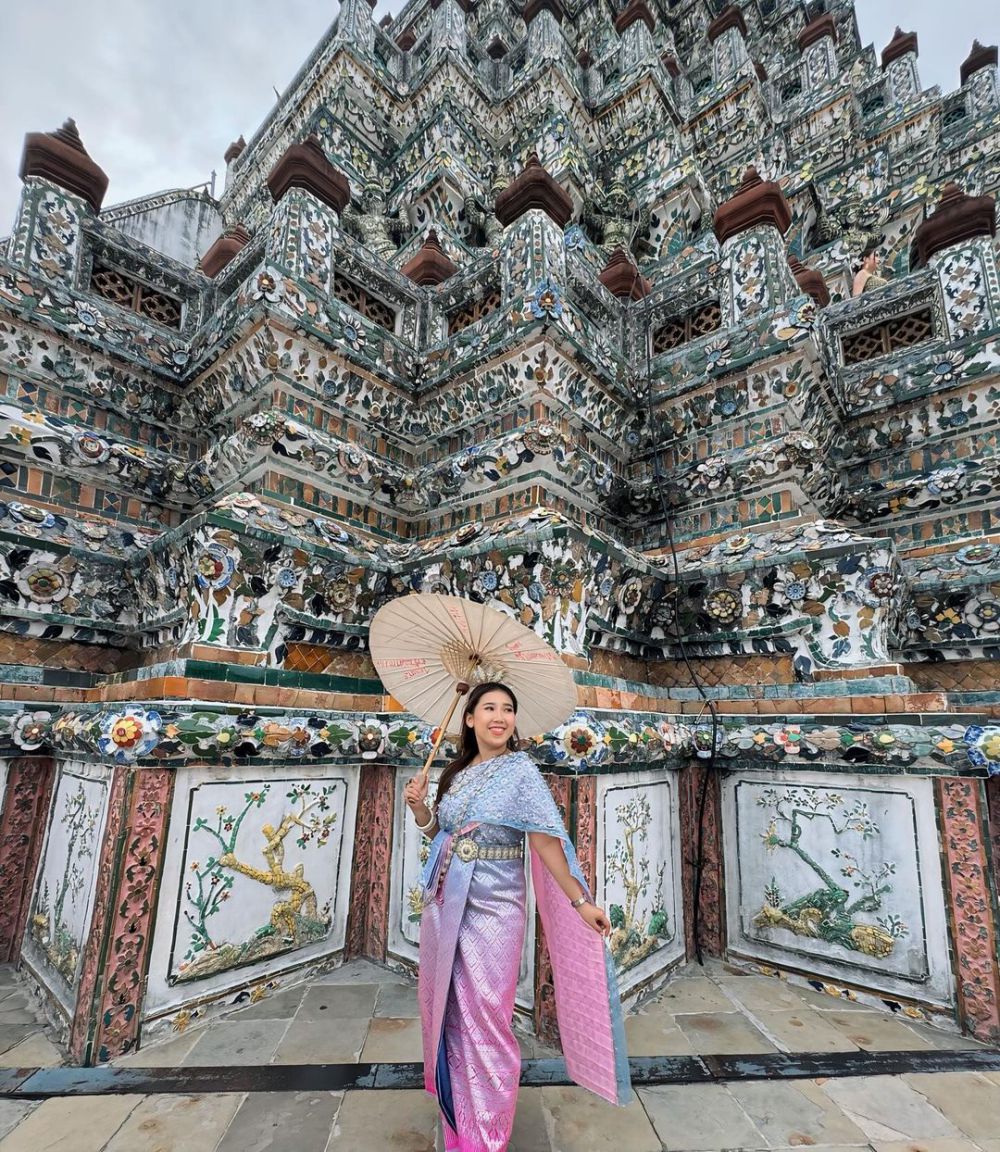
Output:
(679, 330)
(880, 339)
(137, 297)
(361, 300)
(473, 310)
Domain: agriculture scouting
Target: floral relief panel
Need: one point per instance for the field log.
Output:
(841, 875)
(639, 872)
(256, 879)
(62, 904)
(410, 852)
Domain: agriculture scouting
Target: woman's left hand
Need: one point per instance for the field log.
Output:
(596, 918)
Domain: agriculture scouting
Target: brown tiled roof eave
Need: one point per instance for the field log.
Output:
(900, 44)
(305, 166)
(634, 11)
(816, 30)
(533, 7)
(623, 279)
(61, 158)
(223, 250)
(756, 202)
(957, 217)
(430, 265)
(730, 17)
(810, 281)
(981, 56)
(533, 187)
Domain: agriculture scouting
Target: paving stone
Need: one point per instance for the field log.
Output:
(389, 1121)
(9, 977)
(236, 1042)
(359, 972)
(875, 1032)
(19, 1014)
(12, 1112)
(177, 1123)
(655, 1034)
(971, 1102)
(11, 1034)
(805, 1031)
(579, 1121)
(722, 1033)
(392, 1040)
(944, 1038)
(283, 1122)
(337, 1041)
(170, 1052)
(928, 1146)
(37, 1051)
(886, 1108)
(330, 1002)
(74, 1124)
(693, 994)
(795, 1115)
(280, 1006)
(398, 1001)
(529, 1133)
(698, 1118)
(764, 993)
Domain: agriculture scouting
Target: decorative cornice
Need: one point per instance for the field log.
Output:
(756, 202)
(957, 217)
(61, 158)
(533, 7)
(226, 248)
(305, 166)
(809, 280)
(816, 30)
(534, 188)
(623, 279)
(430, 265)
(731, 17)
(900, 44)
(634, 11)
(981, 56)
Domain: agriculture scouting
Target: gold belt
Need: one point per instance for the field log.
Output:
(466, 850)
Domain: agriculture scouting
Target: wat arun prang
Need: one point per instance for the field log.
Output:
(494, 297)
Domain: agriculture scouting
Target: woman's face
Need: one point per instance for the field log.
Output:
(493, 721)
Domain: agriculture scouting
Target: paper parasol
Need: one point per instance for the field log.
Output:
(431, 650)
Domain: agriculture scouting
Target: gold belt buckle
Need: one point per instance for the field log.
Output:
(466, 850)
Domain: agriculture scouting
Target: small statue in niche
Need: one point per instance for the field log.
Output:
(485, 230)
(866, 275)
(614, 220)
(380, 231)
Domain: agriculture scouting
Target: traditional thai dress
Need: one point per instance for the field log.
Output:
(471, 936)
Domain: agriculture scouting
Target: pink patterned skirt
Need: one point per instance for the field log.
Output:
(471, 938)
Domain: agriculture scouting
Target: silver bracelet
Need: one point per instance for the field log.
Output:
(424, 827)
(579, 903)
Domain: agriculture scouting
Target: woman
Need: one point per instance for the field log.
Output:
(472, 932)
(867, 278)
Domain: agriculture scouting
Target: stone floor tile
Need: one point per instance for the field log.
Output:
(886, 1108)
(944, 1038)
(722, 1033)
(926, 1146)
(530, 1133)
(331, 1002)
(398, 1001)
(19, 1013)
(805, 1031)
(876, 1032)
(763, 993)
(181, 1123)
(970, 1102)
(829, 1002)
(73, 1124)
(359, 972)
(534, 1049)
(392, 1040)
(280, 1005)
(691, 994)
(12, 1112)
(9, 977)
(581, 1122)
(283, 1122)
(37, 1051)
(389, 1121)
(698, 1118)
(11, 1034)
(167, 1052)
(655, 1035)
(795, 1115)
(229, 1042)
(336, 1041)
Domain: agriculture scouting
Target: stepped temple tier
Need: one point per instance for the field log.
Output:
(500, 301)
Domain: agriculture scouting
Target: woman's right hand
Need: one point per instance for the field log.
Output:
(415, 792)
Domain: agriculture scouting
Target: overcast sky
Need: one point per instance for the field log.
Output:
(159, 90)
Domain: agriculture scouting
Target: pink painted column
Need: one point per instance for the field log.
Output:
(22, 831)
(964, 837)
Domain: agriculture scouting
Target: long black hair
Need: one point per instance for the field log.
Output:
(468, 746)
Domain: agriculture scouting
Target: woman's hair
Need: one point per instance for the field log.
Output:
(468, 746)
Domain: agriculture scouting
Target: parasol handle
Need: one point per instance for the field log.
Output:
(460, 690)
